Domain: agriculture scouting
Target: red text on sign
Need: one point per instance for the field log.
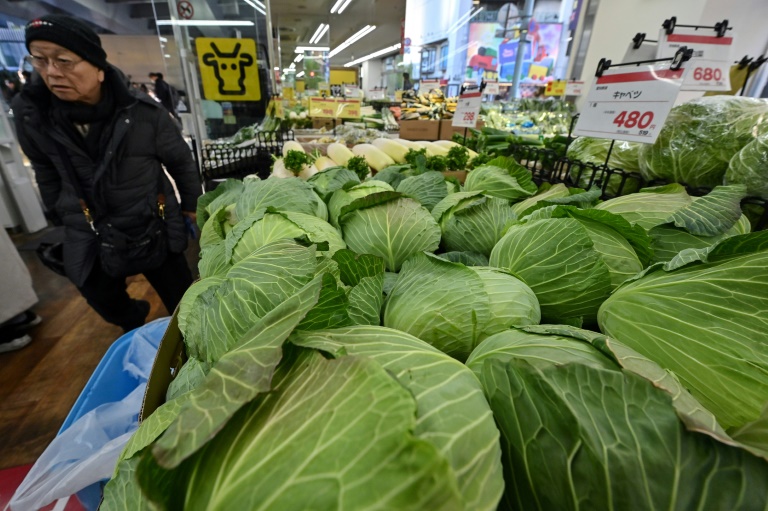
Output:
(633, 119)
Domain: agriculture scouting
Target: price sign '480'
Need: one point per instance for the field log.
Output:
(630, 103)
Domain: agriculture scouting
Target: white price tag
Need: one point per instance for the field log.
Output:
(705, 43)
(352, 91)
(706, 74)
(492, 88)
(376, 94)
(646, 51)
(467, 110)
(574, 88)
(630, 103)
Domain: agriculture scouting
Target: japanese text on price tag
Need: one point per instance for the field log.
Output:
(376, 94)
(705, 74)
(630, 103)
(705, 44)
(467, 110)
(348, 108)
(322, 108)
(555, 88)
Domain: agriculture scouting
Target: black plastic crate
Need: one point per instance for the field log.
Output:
(222, 161)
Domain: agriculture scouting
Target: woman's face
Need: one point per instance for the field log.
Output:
(68, 76)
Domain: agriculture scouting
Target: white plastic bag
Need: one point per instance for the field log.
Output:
(87, 451)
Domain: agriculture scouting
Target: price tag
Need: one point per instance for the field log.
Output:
(398, 95)
(324, 87)
(630, 103)
(289, 93)
(705, 43)
(574, 88)
(376, 94)
(492, 88)
(322, 108)
(556, 88)
(467, 110)
(352, 91)
(275, 107)
(427, 85)
(706, 74)
(348, 108)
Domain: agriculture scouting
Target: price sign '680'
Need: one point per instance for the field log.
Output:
(467, 110)
(630, 103)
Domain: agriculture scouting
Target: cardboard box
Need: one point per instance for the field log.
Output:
(448, 130)
(169, 359)
(319, 123)
(420, 130)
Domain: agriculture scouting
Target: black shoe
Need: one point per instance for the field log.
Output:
(141, 311)
(14, 344)
(26, 319)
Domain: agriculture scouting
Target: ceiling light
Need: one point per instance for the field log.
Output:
(259, 9)
(277, 69)
(302, 49)
(260, 4)
(344, 6)
(164, 39)
(167, 56)
(320, 37)
(313, 39)
(205, 23)
(293, 65)
(300, 75)
(289, 70)
(374, 55)
(336, 5)
(299, 57)
(354, 38)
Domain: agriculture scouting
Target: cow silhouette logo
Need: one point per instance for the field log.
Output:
(229, 69)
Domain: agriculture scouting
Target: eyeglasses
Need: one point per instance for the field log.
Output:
(62, 64)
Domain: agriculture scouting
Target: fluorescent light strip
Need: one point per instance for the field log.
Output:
(261, 4)
(302, 49)
(258, 9)
(373, 55)
(353, 39)
(300, 75)
(277, 69)
(205, 23)
(464, 20)
(325, 29)
(317, 32)
(336, 6)
(344, 6)
(299, 57)
(289, 70)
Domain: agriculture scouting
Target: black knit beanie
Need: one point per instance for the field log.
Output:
(70, 33)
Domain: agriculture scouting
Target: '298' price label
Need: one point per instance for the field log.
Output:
(630, 103)
(467, 110)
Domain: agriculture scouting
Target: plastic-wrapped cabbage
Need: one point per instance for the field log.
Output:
(624, 156)
(700, 137)
(750, 167)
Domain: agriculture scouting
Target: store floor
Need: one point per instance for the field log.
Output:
(40, 383)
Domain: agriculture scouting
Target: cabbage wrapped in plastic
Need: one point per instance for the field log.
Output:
(750, 167)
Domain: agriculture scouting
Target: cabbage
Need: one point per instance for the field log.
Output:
(345, 196)
(750, 167)
(453, 307)
(587, 423)
(676, 221)
(472, 222)
(428, 188)
(389, 226)
(331, 179)
(700, 137)
(283, 194)
(503, 178)
(624, 156)
(572, 258)
(702, 316)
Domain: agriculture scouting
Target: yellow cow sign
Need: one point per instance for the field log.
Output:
(228, 69)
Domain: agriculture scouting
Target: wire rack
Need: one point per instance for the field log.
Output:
(222, 161)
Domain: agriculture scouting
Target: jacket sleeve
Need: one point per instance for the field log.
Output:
(176, 155)
(46, 175)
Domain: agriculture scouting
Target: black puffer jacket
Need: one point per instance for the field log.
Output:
(123, 186)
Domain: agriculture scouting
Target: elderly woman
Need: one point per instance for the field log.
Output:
(98, 149)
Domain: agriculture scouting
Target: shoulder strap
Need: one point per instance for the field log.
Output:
(75, 182)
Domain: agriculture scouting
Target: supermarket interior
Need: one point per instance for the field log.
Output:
(384, 255)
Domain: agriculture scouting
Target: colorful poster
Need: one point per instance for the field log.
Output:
(493, 58)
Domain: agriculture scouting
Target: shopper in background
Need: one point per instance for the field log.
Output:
(407, 85)
(164, 93)
(88, 134)
(15, 316)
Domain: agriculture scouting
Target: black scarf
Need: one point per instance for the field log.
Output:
(97, 117)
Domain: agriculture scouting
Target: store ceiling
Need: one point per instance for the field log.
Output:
(296, 20)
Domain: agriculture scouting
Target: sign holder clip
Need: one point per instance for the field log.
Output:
(720, 27)
(681, 55)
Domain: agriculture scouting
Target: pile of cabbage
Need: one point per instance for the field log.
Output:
(410, 343)
(704, 143)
